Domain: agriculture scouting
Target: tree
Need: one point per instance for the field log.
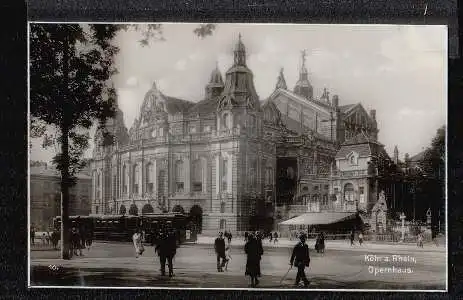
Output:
(70, 70)
(432, 168)
(70, 67)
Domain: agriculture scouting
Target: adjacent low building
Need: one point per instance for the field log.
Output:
(45, 195)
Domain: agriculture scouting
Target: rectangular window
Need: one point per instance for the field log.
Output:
(197, 187)
(207, 128)
(362, 194)
(224, 175)
(149, 187)
(135, 188)
(179, 187)
(192, 129)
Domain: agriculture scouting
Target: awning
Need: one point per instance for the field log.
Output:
(319, 218)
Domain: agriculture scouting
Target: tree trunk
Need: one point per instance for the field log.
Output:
(65, 180)
(65, 232)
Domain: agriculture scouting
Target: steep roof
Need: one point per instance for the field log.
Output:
(204, 107)
(418, 157)
(346, 108)
(175, 105)
(361, 143)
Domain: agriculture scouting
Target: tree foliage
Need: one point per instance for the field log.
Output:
(70, 92)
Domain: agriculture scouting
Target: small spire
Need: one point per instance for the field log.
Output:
(281, 82)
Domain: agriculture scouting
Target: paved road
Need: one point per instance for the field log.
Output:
(114, 264)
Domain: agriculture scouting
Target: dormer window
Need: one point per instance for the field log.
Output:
(192, 129)
(207, 128)
(154, 133)
(352, 158)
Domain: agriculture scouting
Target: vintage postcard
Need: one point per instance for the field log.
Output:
(238, 156)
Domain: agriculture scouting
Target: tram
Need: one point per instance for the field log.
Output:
(122, 227)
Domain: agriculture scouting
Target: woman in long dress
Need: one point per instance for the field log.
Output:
(254, 253)
(137, 239)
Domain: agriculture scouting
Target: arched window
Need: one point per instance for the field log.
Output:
(222, 207)
(253, 173)
(197, 181)
(269, 176)
(223, 224)
(136, 178)
(224, 175)
(237, 121)
(161, 131)
(179, 176)
(161, 183)
(349, 192)
(98, 185)
(225, 121)
(114, 186)
(124, 179)
(253, 123)
(149, 178)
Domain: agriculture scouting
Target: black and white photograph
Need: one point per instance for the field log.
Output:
(237, 156)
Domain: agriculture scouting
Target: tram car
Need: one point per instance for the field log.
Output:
(122, 227)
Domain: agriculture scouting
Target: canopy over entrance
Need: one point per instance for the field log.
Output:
(320, 218)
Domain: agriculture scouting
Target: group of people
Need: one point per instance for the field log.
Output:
(253, 249)
(352, 238)
(81, 238)
(46, 237)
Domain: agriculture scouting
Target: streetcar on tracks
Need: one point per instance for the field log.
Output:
(122, 227)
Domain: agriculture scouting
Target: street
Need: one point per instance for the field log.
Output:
(114, 265)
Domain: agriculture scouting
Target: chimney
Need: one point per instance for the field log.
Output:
(373, 114)
(335, 100)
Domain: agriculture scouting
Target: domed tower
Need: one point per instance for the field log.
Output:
(215, 86)
(303, 87)
(239, 102)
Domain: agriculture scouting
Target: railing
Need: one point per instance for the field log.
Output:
(349, 174)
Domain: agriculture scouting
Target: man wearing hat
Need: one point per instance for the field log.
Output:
(219, 246)
(301, 259)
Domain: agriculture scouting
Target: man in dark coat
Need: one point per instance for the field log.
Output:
(253, 255)
(301, 259)
(219, 246)
(166, 248)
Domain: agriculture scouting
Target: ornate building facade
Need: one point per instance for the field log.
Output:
(234, 161)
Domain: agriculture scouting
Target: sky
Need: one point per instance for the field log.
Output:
(399, 70)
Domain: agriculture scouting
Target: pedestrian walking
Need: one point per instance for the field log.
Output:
(137, 239)
(352, 236)
(275, 237)
(246, 236)
(300, 258)
(229, 237)
(55, 238)
(166, 249)
(219, 246)
(320, 243)
(254, 252)
(89, 239)
(360, 238)
(75, 239)
(227, 255)
(420, 240)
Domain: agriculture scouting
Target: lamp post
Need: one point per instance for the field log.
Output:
(402, 218)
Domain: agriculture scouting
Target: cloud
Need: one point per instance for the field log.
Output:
(407, 112)
(132, 81)
(180, 65)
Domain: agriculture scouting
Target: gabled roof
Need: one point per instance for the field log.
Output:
(418, 157)
(361, 143)
(346, 108)
(204, 107)
(175, 105)
(322, 107)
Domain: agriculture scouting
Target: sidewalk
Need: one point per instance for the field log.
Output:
(336, 245)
